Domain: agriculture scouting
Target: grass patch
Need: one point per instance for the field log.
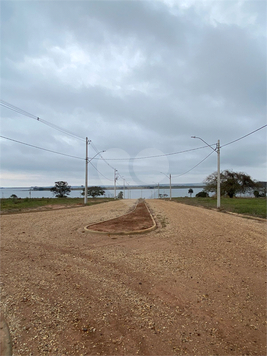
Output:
(162, 220)
(255, 207)
(11, 205)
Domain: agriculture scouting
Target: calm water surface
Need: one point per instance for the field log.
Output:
(129, 194)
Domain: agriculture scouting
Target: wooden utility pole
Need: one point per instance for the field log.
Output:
(86, 173)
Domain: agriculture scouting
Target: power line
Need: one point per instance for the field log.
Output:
(18, 110)
(96, 150)
(101, 157)
(179, 152)
(175, 175)
(240, 138)
(260, 128)
(156, 156)
(100, 172)
(51, 151)
(41, 148)
(25, 113)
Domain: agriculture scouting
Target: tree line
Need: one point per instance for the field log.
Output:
(231, 183)
(61, 189)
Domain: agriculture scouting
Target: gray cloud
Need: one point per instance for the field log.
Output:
(134, 76)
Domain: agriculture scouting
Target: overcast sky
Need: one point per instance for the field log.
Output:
(138, 78)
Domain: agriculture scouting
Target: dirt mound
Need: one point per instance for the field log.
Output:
(139, 219)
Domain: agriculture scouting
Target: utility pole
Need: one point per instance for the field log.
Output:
(86, 173)
(218, 177)
(124, 188)
(115, 178)
(170, 178)
(170, 187)
(86, 169)
(217, 149)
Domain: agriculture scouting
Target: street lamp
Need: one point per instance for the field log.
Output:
(155, 188)
(170, 178)
(86, 170)
(129, 191)
(217, 149)
(115, 179)
(124, 197)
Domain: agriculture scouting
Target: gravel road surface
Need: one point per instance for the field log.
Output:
(194, 286)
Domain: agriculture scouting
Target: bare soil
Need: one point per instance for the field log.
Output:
(194, 286)
(137, 220)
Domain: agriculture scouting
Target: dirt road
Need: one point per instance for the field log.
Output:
(194, 286)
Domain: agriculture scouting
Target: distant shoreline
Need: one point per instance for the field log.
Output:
(121, 187)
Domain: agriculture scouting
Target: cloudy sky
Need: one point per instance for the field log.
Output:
(138, 78)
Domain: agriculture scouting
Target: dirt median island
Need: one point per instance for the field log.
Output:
(137, 220)
(194, 286)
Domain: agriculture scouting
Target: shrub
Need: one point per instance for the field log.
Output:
(202, 194)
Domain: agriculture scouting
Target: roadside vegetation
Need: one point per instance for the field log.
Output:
(14, 204)
(255, 207)
(231, 185)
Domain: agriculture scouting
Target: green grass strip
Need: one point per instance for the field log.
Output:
(11, 205)
(255, 207)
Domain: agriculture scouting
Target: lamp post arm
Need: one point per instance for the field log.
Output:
(87, 160)
(214, 149)
(217, 150)
(170, 178)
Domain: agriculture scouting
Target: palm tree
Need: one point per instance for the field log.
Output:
(190, 191)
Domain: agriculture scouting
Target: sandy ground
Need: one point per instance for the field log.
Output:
(194, 286)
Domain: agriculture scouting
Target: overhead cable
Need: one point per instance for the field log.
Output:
(100, 172)
(41, 148)
(51, 151)
(156, 156)
(104, 159)
(25, 113)
(180, 152)
(260, 128)
(179, 175)
(45, 122)
(101, 157)
(240, 138)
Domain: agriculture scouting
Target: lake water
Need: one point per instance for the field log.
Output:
(129, 194)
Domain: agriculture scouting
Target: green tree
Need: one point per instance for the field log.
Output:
(190, 191)
(260, 190)
(94, 191)
(120, 195)
(256, 193)
(231, 183)
(163, 195)
(13, 196)
(202, 194)
(61, 189)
